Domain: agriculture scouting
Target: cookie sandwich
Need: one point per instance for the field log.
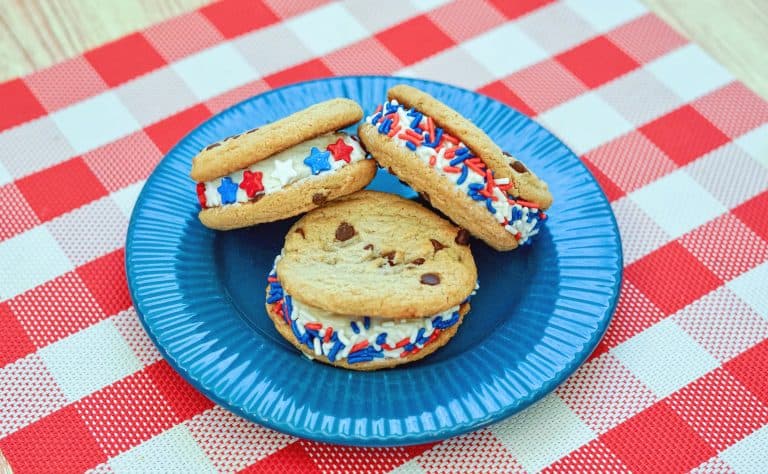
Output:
(371, 281)
(456, 167)
(282, 169)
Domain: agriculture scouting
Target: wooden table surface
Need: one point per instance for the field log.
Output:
(37, 33)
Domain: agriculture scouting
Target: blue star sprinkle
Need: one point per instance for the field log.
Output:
(228, 190)
(318, 160)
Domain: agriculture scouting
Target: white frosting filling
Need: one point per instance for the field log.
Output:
(285, 168)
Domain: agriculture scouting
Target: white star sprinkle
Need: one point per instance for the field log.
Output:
(284, 171)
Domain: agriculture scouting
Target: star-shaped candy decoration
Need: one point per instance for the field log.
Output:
(340, 150)
(251, 183)
(228, 190)
(284, 171)
(318, 160)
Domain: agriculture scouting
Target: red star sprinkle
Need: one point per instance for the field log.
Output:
(340, 150)
(252, 183)
(201, 194)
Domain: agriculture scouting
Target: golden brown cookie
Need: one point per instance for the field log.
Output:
(453, 163)
(281, 169)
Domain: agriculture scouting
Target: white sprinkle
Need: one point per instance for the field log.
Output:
(316, 344)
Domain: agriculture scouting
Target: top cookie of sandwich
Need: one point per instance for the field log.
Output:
(240, 151)
(377, 254)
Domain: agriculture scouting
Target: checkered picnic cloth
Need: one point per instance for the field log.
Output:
(680, 380)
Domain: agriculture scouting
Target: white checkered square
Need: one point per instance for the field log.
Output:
(30, 259)
(28, 392)
(126, 198)
(327, 28)
(95, 121)
(714, 465)
(372, 19)
(665, 358)
(689, 72)
(756, 144)
(604, 16)
(640, 235)
(426, 5)
(720, 169)
(156, 95)
(33, 146)
(174, 450)
(442, 67)
(215, 70)
(504, 50)
(585, 122)
(571, 28)
(292, 50)
(677, 203)
(752, 287)
(411, 467)
(750, 455)
(639, 97)
(75, 231)
(128, 325)
(89, 360)
(478, 451)
(5, 176)
(542, 433)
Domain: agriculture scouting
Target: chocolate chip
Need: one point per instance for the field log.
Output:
(368, 247)
(437, 245)
(344, 232)
(430, 279)
(212, 146)
(319, 199)
(391, 263)
(233, 137)
(506, 154)
(418, 261)
(519, 167)
(389, 255)
(257, 197)
(252, 130)
(462, 238)
(301, 231)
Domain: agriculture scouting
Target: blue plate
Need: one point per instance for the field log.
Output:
(539, 312)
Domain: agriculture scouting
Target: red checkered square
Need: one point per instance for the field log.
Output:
(593, 457)
(744, 250)
(499, 91)
(353, 459)
(631, 161)
(233, 96)
(545, 85)
(753, 213)
(14, 342)
(634, 314)
(292, 458)
(197, 31)
(684, 135)
(17, 215)
(117, 174)
(182, 397)
(129, 327)
(646, 38)
(66, 83)
(60, 188)
(105, 279)
(415, 39)
(124, 59)
(465, 19)
(235, 17)
(657, 440)
(59, 443)
(518, 8)
(56, 309)
(747, 368)
(719, 409)
(126, 413)
(611, 190)
(478, 451)
(597, 61)
(660, 273)
(289, 8)
(734, 109)
(313, 69)
(166, 133)
(368, 56)
(19, 104)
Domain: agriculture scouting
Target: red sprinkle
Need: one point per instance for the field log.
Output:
(451, 139)
(528, 204)
(393, 131)
(378, 109)
(404, 354)
(410, 132)
(328, 333)
(402, 343)
(272, 279)
(518, 236)
(451, 169)
(278, 307)
(430, 128)
(314, 326)
(386, 347)
(450, 153)
(358, 346)
(476, 165)
(542, 216)
(432, 160)
(395, 119)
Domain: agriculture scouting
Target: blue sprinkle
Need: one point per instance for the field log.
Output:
(438, 136)
(462, 151)
(358, 359)
(412, 112)
(366, 322)
(476, 196)
(295, 329)
(274, 298)
(410, 146)
(458, 159)
(463, 175)
(288, 306)
(335, 350)
(476, 186)
(416, 120)
(489, 206)
(391, 107)
(335, 336)
(420, 339)
(381, 338)
(385, 126)
(313, 332)
(354, 327)
(376, 118)
(409, 347)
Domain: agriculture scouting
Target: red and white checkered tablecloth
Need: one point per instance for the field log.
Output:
(680, 380)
